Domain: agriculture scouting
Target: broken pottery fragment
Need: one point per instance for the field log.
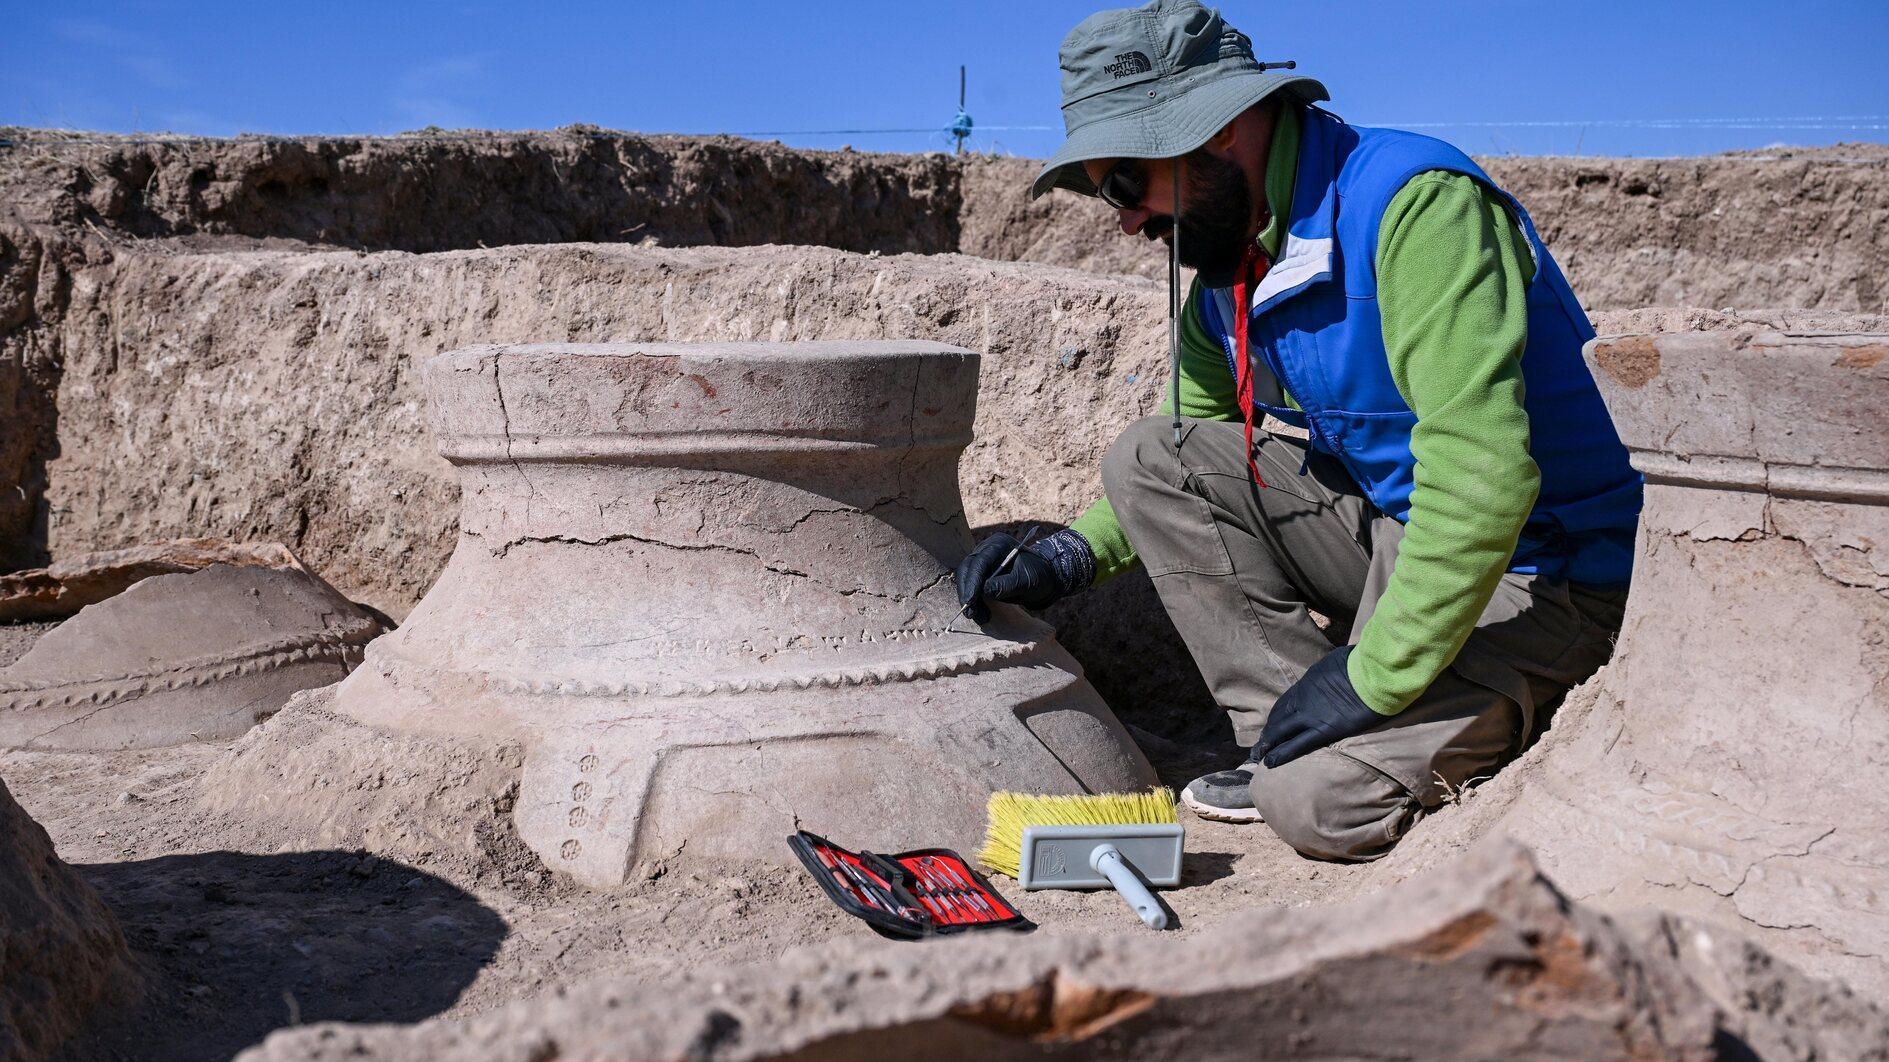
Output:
(61, 952)
(1480, 958)
(707, 588)
(68, 585)
(1734, 764)
(199, 656)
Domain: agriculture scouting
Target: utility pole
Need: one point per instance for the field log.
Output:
(961, 125)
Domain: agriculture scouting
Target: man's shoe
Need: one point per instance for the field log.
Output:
(1223, 796)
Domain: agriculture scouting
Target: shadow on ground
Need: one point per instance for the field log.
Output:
(235, 946)
(1203, 868)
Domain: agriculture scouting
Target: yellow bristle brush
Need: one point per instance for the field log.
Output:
(1127, 841)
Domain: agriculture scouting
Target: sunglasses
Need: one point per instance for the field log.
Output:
(1124, 186)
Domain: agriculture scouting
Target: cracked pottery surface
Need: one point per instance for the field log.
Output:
(707, 588)
(1729, 763)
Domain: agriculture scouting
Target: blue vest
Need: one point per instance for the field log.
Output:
(1315, 330)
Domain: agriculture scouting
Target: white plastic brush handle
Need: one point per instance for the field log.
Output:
(1106, 860)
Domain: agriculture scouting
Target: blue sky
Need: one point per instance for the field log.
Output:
(1642, 78)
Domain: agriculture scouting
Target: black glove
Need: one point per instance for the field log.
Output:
(1320, 708)
(1036, 577)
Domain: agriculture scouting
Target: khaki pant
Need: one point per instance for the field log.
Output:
(1237, 568)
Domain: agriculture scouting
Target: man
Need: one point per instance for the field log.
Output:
(1462, 507)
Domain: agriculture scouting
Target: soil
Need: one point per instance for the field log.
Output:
(17, 638)
(1487, 936)
(238, 932)
(241, 936)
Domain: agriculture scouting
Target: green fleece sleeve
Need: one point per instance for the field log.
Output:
(1207, 392)
(1452, 274)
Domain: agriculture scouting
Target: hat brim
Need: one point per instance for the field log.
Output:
(1168, 128)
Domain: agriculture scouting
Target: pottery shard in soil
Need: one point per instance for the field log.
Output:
(71, 583)
(199, 656)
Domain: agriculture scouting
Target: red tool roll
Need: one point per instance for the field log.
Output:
(914, 894)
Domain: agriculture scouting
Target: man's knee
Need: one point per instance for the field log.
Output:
(1139, 452)
(1329, 806)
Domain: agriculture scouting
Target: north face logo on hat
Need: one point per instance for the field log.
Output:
(1129, 63)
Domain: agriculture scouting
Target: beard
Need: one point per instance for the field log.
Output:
(1216, 225)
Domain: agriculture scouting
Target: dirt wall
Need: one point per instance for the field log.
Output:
(33, 293)
(1001, 221)
(1802, 228)
(1806, 231)
(1744, 231)
(451, 191)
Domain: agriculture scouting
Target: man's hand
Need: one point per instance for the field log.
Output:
(1036, 577)
(1319, 709)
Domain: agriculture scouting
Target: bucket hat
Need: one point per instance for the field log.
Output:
(1155, 82)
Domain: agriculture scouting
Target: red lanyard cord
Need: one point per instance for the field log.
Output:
(1252, 268)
